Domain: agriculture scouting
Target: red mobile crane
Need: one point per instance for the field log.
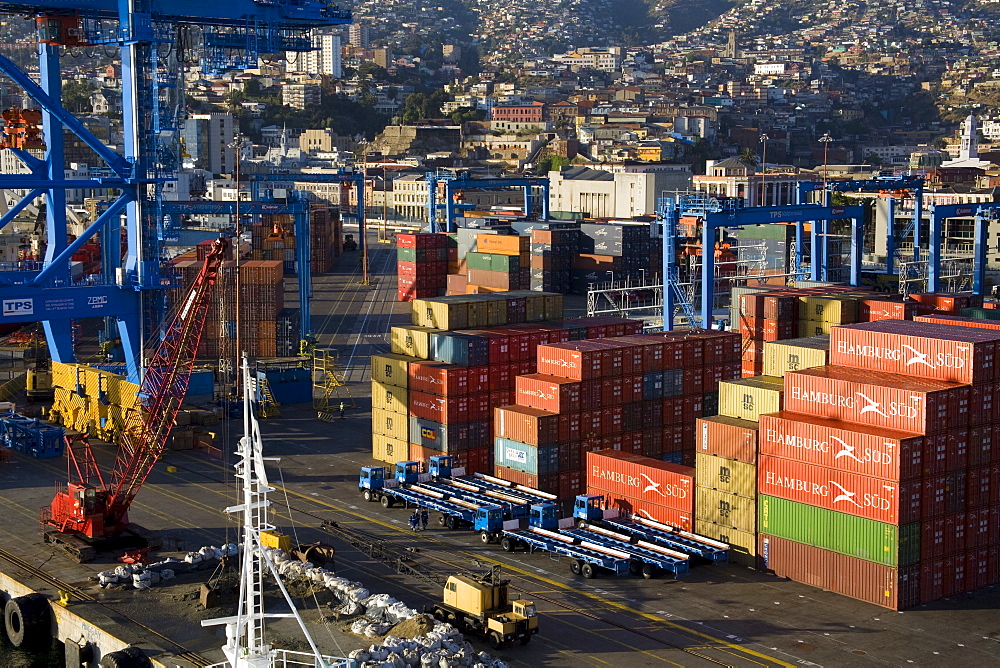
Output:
(91, 515)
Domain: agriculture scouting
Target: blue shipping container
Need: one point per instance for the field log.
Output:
(526, 458)
(652, 385)
(461, 349)
(673, 383)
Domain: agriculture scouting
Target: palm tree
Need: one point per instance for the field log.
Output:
(747, 155)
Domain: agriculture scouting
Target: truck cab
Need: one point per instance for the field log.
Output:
(484, 607)
(371, 480)
(407, 473)
(489, 523)
(587, 508)
(544, 516)
(440, 466)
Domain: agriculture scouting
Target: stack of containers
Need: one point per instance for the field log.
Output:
(325, 236)
(552, 252)
(945, 303)
(639, 394)
(421, 265)
(878, 481)
(390, 406)
(643, 486)
(726, 461)
(501, 263)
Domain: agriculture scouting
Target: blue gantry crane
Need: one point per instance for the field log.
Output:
(234, 33)
(464, 181)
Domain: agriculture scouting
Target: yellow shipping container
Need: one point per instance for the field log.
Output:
(389, 397)
(795, 355)
(725, 475)
(749, 398)
(391, 450)
(809, 328)
(391, 369)
(742, 544)
(837, 310)
(441, 312)
(479, 313)
(502, 244)
(393, 425)
(553, 306)
(737, 512)
(412, 340)
(496, 310)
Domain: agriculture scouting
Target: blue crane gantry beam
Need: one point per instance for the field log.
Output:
(759, 216)
(467, 182)
(915, 184)
(234, 33)
(981, 211)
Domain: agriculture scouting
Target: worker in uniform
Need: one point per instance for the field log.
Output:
(414, 520)
(423, 519)
(343, 407)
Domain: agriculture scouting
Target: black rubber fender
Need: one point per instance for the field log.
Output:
(130, 657)
(28, 621)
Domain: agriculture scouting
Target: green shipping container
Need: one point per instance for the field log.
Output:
(980, 313)
(854, 536)
(482, 261)
(406, 254)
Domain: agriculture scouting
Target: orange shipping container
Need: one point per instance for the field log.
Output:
(642, 478)
(550, 393)
(727, 437)
(628, 506)
(526, 425)
(502, 244)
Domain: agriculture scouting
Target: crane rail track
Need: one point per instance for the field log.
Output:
(79, 594)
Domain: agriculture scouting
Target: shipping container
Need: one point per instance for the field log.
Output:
(882, 543)
(411, 340)
(738, 512)
(531, 459)
(885, 308)
(726, 475)
(930, 350)
(835, 489)
(811, 328)
(527, 425)
(727, 437)
(449, 409)
(438, 378)
(795, 355)
(460, 348)
(742, 545)
(391, 369)
(871, 451)
(392, 425)
(959, 321)
(749, 398)
(577, 360)
(629, 506)
(893, 401)
(642, 478)
(389, 450)
(835, 310)
(389, 397)
(550, 393)
(445, 313)
(546, 483)
(893, 588)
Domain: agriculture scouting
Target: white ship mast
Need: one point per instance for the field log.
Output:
(245, 645)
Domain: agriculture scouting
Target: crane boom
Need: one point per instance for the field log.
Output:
(103, 513)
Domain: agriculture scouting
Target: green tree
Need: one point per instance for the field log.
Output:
(76, 95)
(550, 163)
(748, 156)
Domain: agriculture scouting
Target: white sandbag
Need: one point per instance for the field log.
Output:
(359, 626)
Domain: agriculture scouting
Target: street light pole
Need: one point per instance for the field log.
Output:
(826, 139)
(763, 167)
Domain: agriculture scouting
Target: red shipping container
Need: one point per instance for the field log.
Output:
(642, 478)
(611, 420)
(628, 506)
(979, 486)
(500, 398)
(673, 411)
(932, 539)
(631, 352)
(479, 379)
(957, 450)
(501, 376)
(499, 344)
(981, 445)
(835, 489)
(977, 568)
(959, 320)
(652, 442)
(611, 391)
(570, 484)
(632, 442)
(632, 417)
(869, 451)
(872, 310)
(445, 410)
(632, 388)
(480, 406)
(894, 401)
(590, 394)
(612, 442)
(674, 439)
(994, 565)
(960, 355)
(727, 437)
(548, 483)
(652, 351)
(893, 588)
(947, 301)
(569, 427)
(768, 330)
(978, 527)
(550, 393)
(527, 425)
(955, 533)
(983, 404)
(932, 580)
(569, 456)
(525, 367)
(652, 412)
(934, 502)
(591, 424)
(438, 378)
